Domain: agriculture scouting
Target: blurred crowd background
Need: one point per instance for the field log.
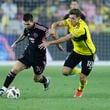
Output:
(46, 12)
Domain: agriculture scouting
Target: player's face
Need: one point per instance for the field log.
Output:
(74, 5)
(74, 19)
(28, 24)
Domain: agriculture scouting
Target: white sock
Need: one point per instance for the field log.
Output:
(4, 88)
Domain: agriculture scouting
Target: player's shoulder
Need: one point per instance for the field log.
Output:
(40, 26)
(66, 16)
(68, 21)
(82, 22)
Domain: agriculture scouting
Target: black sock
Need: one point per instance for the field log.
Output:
(43, 80)
(10, 77)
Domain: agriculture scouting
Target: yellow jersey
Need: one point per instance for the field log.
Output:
(82, 41)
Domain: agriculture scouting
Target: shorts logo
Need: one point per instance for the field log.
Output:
(90, 64)
(67, 57)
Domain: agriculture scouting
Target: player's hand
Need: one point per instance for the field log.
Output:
(13, 45)
(60, 47)
(44, 45)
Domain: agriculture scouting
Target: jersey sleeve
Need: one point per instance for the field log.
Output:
(47, 33)
(66, 22)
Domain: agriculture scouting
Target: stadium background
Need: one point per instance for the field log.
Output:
(46, 12)
(60, 95)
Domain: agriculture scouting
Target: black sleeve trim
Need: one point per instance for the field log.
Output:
(82, 37)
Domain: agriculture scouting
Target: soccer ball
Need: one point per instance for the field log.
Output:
(13, 93)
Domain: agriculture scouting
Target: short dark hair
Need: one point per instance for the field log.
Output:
(74, 1)
(28, 17)
(76, 12)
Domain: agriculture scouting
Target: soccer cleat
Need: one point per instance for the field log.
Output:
(2, 92)
(78, 93)
(46, 85)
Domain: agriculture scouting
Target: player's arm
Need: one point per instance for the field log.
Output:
(59, 40)
(19, 39)
(57, 45)
(53, 32)
(55, 26)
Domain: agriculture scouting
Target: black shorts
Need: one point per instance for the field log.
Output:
(86, 62)
(37, 62)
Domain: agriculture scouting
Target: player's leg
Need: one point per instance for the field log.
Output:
(18, 66)
(67, 70)
(82, 84)
(39, 77)
(70, 64)
(42, 79)
(87, 64)
(76, 70)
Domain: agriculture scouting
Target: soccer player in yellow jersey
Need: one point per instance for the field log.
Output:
(83, 51)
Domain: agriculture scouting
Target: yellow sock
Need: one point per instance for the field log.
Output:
(82, 86)
(76, 70)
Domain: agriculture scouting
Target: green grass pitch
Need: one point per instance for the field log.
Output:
(60, 95)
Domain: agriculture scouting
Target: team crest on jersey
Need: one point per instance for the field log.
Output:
(28, 34)
(35, 35)
(76, 28)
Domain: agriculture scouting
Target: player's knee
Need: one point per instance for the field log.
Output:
(15, 70)
(65, 73)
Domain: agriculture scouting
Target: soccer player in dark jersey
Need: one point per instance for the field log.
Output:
(33, 56)
(84, 49)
